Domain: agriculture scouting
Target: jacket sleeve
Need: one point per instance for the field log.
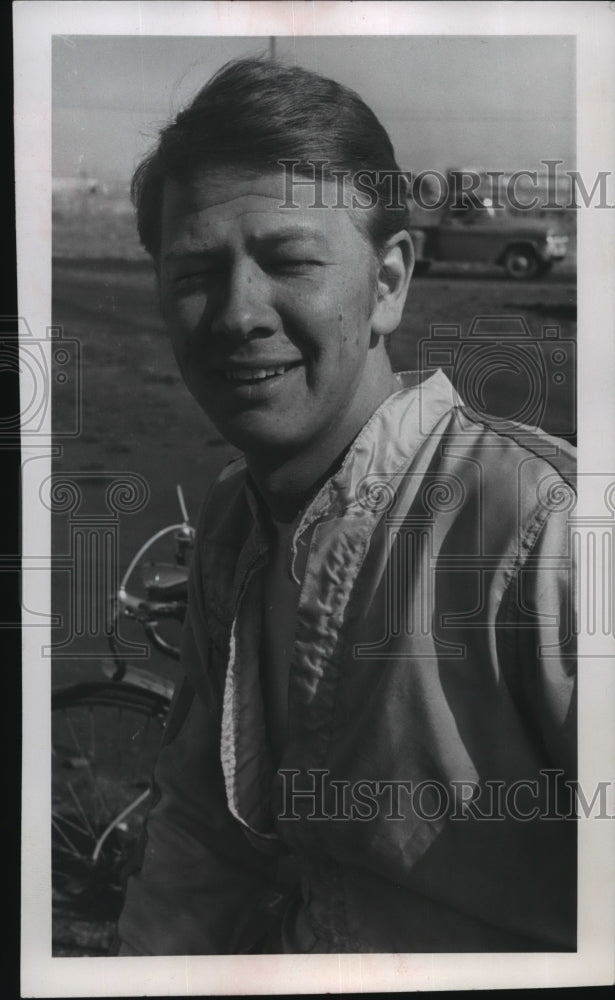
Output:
(198, 874)
(542, 618)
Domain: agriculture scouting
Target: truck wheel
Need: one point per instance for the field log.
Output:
(421, 266)
(521, 263)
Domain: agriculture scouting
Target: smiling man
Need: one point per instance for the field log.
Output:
(370, 746)
(278, 319)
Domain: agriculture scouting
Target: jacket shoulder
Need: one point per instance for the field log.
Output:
(511, 477)
(506, 446)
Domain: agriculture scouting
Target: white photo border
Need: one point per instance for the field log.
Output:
(593, 25)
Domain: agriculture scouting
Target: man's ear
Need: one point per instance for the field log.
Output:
(394, 273)
(156, 263)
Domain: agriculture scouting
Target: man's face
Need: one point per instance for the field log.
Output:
(268, 309)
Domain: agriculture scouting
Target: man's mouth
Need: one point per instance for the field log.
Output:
(248, 375)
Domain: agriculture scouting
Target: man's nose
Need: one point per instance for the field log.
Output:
(243, 309)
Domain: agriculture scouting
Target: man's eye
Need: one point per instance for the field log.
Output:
(197, 278)
(291, 265)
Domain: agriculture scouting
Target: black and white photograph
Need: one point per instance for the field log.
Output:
(318, 496)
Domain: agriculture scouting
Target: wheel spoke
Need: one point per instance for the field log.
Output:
(65, 820)
(141, 738)
(118, 819)
(92, 733)
(88, 766)
(74, 850)
(80, 810)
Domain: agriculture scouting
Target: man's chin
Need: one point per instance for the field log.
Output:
(260, 435)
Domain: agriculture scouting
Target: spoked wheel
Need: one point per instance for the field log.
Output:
(105, 738)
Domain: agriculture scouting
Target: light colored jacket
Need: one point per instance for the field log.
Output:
(433, 663)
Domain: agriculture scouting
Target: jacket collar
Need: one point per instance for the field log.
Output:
(390, 438)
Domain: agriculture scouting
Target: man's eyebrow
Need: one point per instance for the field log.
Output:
(287, 234)
(295, 238)
(187, 255)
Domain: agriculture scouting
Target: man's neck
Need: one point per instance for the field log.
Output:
(288, 487)
(287, 483)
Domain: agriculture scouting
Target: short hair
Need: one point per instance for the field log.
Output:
(255, 112)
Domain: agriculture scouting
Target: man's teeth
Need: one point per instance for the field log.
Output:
(254, 374)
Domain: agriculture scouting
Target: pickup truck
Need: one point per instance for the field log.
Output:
(524, 246)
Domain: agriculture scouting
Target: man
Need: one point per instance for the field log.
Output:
(369, 747)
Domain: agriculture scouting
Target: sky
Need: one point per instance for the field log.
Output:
(493, 102)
